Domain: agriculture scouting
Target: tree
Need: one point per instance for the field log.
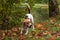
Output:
(53, 8)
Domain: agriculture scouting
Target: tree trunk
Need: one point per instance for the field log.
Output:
(53, 8)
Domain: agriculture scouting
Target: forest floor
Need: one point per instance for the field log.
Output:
(48, 30)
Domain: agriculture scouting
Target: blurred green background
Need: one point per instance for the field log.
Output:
(12, 12)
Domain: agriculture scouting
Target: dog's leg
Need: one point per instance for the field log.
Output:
(33, 27)
(27, 29)
(21, 30)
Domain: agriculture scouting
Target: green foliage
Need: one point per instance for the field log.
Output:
(12, 12)
(10, 15)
